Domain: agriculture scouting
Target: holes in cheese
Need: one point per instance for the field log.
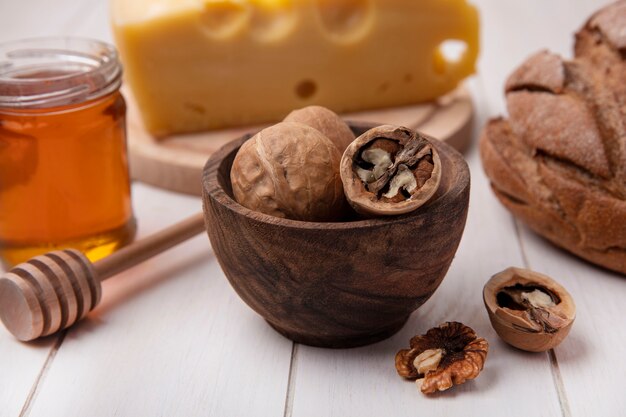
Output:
(448, 52)
(345, 19)
(272, 19)
(223, 18)
(306, 89)
(237, 62)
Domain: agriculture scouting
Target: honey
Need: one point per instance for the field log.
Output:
(63, 166)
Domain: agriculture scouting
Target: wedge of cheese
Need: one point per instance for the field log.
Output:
(203, 64)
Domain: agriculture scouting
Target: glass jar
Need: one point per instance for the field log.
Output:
(63, 165)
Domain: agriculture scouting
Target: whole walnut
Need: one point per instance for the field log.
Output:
(559, 161)
(327, 122)
(289, 170)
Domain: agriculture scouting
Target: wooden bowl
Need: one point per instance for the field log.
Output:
(339, 284)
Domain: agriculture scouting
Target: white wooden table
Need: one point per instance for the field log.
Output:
(171, 338)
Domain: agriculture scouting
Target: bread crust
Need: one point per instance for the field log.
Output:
(558, 162)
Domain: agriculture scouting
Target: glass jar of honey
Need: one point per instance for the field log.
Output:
(64, 179)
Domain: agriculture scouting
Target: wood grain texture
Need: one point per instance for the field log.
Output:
(176, 162)
(48, 293)
(336, 284)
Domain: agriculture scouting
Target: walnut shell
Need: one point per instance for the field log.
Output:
(327, 122)
(558, 162)
(529, 310)
(289, 170)
(390, 170)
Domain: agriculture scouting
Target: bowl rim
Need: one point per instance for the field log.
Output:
(212, 189)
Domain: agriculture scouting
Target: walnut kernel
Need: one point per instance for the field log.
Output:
(390, 170)
(446, 355)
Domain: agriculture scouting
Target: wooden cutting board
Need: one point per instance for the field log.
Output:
(176, 162)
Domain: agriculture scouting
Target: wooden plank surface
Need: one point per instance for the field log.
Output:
(21, 365)
(591, 360)
(172, 338)
(169, 338)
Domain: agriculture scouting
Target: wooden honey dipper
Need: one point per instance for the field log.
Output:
(51, 292)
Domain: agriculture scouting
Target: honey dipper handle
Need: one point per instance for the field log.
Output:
(146, 248)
